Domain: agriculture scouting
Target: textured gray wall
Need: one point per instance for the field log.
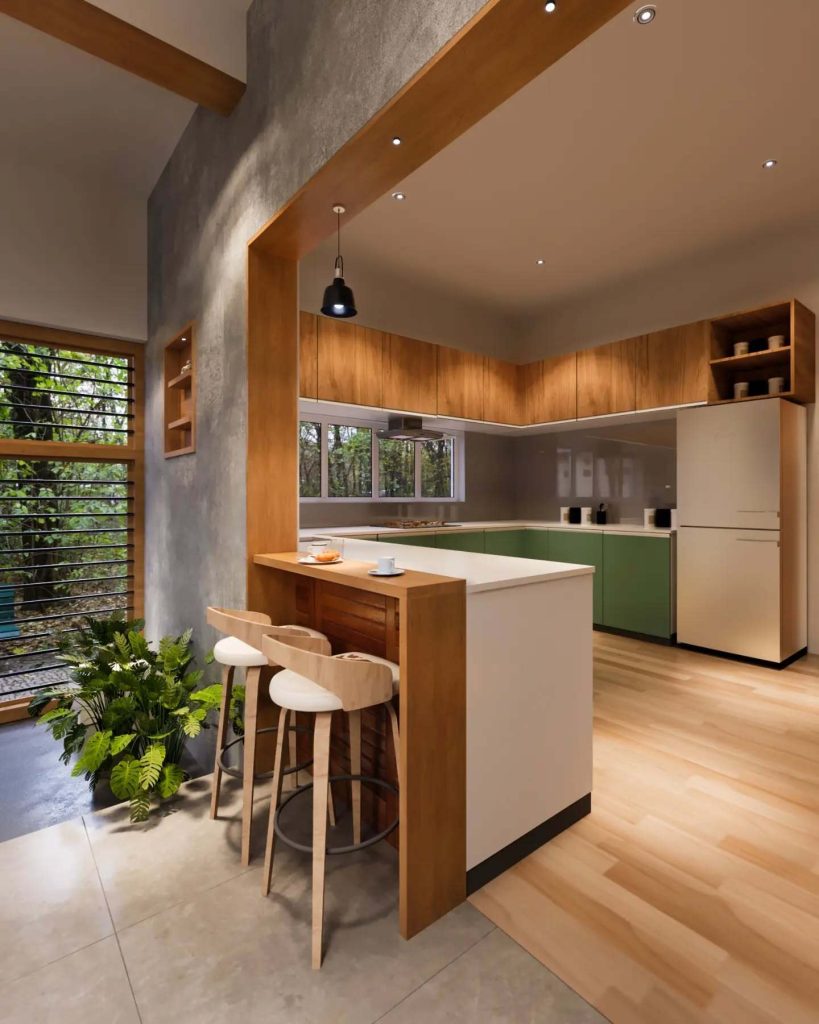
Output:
(317, 72)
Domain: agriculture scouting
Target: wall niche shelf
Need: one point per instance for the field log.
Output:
(793, 362)
(180, 394)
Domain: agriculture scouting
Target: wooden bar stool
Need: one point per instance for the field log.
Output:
(241, 648)
(322, 684)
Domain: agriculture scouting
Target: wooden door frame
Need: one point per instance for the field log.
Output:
(504, 47)
(132, 453)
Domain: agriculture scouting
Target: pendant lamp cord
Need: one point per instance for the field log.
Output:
(339, 260)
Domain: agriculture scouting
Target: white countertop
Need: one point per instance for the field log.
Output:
(635, 529)
(481, 572)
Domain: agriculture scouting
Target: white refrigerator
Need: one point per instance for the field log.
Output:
(742, 544)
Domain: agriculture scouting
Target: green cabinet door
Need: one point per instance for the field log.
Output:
(537, 544)
(581, 548)
(506, 542)
(424, 540)
(461, 541)
(637, 584)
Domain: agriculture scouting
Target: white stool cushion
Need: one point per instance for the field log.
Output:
(383, 661)
(296, 693)
(230, 650)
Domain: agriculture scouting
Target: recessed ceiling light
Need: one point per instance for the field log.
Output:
(645, 15)
(396, 140)
(400, 196)
(769, 164)
(540, 262)
(550, 7)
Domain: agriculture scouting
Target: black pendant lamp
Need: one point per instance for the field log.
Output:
(338, 297)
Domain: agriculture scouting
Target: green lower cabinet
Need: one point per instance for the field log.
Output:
(458, 541)
(507, 542)
(537, 544)
(637, 584)
(418, 541)
(582, 549)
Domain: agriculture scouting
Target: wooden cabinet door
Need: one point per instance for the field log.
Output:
(460, 384)
(673, 368)
(350, 361)
(308, 355)
(551, 389)
(410, 375)
(607, 378)
(502, 399)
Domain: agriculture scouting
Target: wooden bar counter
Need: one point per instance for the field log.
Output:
(418, 620)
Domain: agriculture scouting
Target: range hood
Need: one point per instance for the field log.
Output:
(408, 428)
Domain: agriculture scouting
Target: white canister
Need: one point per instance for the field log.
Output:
(740, 348)
(776, 385)
(648, 517)
(741, 389)
(586, 515)
(564, 514)
(777, 341)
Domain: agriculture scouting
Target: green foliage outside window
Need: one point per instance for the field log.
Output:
(396, 469)
(436, 469)
(349, 461)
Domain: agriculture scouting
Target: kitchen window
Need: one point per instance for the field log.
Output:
(347, 461)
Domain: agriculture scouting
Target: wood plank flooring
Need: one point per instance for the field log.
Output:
(690, 895)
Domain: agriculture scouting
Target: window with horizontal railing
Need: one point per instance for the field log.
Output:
(70, 497)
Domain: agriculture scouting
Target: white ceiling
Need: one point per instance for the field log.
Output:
(642, 146)
(63, 108)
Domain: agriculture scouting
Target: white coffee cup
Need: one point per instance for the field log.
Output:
(386, 564)
(741, 389)
(740, 348)
(776, 341)
(776, 385)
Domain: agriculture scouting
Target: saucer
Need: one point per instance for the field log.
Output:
(309, 560)
(394, 572)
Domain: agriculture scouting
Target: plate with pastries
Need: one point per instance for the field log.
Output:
(323, 554)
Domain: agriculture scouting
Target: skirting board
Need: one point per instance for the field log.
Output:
(662, 640)
(506, 858)
(747, 661)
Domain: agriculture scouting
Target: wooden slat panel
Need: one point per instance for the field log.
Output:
(460, 384)
(118, 42)
(410, 375)
(350, 361)
(308, 355)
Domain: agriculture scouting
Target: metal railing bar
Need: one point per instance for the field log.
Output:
(68, 497)
(83, 613)
(66, 515)
(29, 654)
(69, 408)
(64, 583)
(68, 547)
(61, 480)
(46, 374)
(38, 636)
(65, 426)
(63, 565)
(31, 671)
(72, 597)
(62, 533)
(30, 689)
(73, 394)
(53, 357)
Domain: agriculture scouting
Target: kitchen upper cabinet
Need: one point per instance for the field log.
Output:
(502, 395)
(607, 378)
(550, 389)
(350, 363)
(460, 384)
(308, 355)
(410, 375)
(673, 366)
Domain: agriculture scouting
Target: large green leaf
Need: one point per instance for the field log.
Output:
(140, 806)
(119, 743)
(93, 753)
(150, 765)
(125, 778)
(210, 697)
(170, 779)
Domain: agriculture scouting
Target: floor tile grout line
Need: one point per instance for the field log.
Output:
(113, 925)
(56, 960)
(444, 967)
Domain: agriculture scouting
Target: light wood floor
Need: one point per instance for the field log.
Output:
(691, 892)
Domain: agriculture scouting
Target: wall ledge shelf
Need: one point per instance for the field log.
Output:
(767, 357)
(181, 381)
(181, 424)
(179, 414)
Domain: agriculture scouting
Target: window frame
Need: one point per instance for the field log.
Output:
(374, 425)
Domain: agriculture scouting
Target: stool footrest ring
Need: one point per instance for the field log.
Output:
(237, 773)
(335, 850)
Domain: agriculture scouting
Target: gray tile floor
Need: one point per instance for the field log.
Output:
(112, 924)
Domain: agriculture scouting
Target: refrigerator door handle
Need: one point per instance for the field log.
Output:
(756, 540)
(759, 512)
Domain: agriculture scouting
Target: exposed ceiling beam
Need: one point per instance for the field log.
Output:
(103, 35)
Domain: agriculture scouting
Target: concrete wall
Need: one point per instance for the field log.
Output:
(73, 252)
(317, 72)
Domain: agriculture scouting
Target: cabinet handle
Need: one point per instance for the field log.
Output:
(759, 511)
(756, 540)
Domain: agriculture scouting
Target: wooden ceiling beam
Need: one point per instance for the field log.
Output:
(122, 44)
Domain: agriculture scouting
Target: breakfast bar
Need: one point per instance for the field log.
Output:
(495, 701)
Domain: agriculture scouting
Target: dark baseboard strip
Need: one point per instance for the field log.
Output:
(661, 640)
(747, 661)
(510, 855)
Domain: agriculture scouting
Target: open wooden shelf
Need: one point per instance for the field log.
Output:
(180, 394)
(769, 357)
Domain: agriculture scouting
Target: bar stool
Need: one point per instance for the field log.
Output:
(241, 648)
(322, 684)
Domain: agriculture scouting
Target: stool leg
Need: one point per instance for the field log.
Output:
(354, 718)
(396, 739)
(275, 799)
(252, 679)
(321, 772)
(221, 737)
(293, 759)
